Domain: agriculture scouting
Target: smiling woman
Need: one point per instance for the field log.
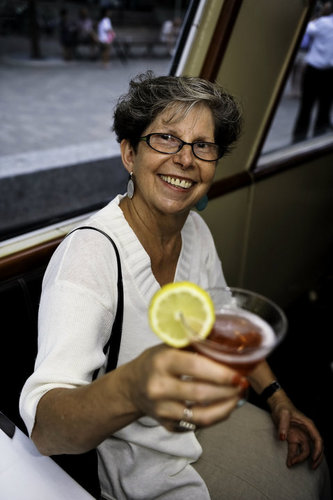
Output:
(133, 413)
(168, 183)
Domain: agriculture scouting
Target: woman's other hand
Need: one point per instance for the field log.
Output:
(162, 381)
(302, 436)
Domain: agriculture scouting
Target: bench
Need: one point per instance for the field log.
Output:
(125, 47)
(139, 46)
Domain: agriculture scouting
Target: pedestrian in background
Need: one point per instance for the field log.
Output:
(317, 82)
(67, 34)
(106, 35)
(86, 31)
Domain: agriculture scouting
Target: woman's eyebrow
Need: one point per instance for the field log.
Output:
(171, 131)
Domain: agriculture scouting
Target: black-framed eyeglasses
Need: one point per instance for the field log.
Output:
(169, 144)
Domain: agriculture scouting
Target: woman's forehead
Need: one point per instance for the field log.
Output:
(176, 112)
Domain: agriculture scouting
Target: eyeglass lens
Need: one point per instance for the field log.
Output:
(165, 143)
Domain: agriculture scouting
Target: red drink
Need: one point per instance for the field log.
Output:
(239, 339)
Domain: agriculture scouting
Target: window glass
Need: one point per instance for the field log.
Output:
(63, 66)
(305, 110)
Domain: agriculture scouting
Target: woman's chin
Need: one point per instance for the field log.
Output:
(176, 208)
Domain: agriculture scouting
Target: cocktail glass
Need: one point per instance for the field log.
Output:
(248, 327)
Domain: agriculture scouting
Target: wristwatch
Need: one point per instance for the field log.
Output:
(270, 390)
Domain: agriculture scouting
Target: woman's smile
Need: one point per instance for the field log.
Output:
(176, 181)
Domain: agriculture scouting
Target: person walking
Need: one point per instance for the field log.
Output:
(317, 82)
(105, 35)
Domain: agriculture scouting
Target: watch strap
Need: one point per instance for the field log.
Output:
(270, 390)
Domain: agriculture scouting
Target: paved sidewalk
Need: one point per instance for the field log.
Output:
(51, 104)
(57, 115)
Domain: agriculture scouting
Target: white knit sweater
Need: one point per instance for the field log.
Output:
(143, 460)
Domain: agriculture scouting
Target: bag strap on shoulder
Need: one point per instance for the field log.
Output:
(113, 344)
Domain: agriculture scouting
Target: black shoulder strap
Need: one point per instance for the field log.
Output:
(78, 465)
(113, 344)
(6, 425)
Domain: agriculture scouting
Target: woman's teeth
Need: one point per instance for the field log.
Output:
(177, 182)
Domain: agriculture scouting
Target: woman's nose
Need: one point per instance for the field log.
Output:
(185, 156)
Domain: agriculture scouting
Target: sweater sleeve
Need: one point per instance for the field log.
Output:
(76, 313)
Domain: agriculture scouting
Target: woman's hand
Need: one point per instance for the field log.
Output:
(77, 420)
(299, 431)
(164, 381)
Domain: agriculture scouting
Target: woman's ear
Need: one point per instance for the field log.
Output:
(127, 154)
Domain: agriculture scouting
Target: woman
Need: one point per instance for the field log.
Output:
(106, 35)
(172, 131)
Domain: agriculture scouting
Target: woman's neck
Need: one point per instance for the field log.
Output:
(159, 234)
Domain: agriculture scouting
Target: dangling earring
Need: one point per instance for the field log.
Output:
(202, 203)
(130, 187)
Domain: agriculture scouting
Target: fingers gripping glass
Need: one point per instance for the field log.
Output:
(169, 144)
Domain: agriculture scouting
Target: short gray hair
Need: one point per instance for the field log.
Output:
(149, 96)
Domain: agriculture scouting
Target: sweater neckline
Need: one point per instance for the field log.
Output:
(137, 259)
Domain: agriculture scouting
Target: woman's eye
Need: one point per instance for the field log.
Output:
(202, 145)
(166, 138)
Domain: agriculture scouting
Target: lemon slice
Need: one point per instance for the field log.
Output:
(181, 313)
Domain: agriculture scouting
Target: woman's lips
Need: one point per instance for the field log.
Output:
(177, 182)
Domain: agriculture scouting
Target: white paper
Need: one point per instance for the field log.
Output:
(25, 474)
